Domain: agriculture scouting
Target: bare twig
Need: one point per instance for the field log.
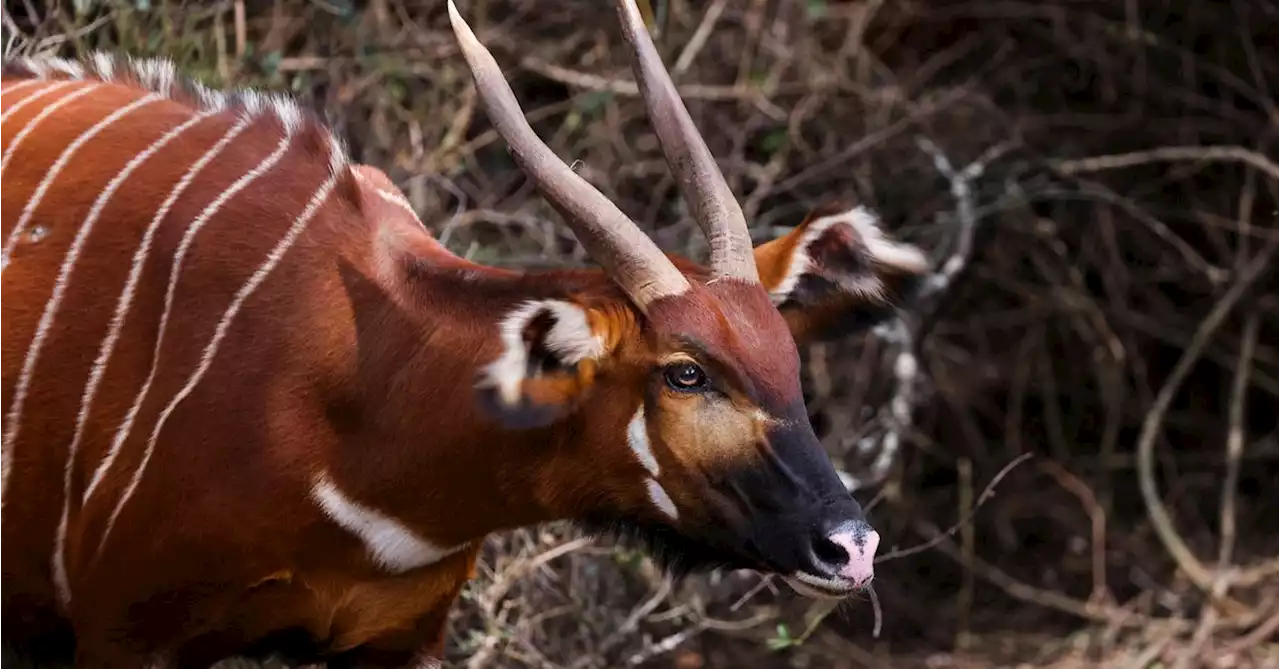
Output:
(1251, 639)
(241, 31)
(903, 331)
(1156, 511)
(1235, 446)
(627, 87)
(987, 493)
(966, 212)
(1097, 524)
(1163, 154)
(876, 611)
(15, 38)
(699, 39)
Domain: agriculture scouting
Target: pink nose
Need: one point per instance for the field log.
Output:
(861, 549)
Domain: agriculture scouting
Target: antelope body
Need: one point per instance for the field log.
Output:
(248, 396)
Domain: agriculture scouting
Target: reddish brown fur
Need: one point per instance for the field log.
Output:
(355, 357)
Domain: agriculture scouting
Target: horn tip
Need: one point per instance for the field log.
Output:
(473, 50)
(458, 23)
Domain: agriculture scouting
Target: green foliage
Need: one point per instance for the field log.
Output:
(781, 639)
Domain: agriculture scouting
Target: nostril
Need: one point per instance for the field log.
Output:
(830, 555)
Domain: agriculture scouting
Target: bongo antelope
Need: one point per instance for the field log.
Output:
(247, 395)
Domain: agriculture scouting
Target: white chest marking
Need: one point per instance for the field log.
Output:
(389, 542)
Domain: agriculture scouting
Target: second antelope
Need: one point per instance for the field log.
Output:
(247, 394)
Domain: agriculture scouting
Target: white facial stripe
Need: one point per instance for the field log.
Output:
(661, 499)
(389, 542)
(638, 440)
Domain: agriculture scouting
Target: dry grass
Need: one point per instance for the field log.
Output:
(1098, 183)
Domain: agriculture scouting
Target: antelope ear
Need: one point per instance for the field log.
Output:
(550, 354)
(837, 273)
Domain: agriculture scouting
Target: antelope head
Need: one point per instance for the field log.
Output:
(679, 389)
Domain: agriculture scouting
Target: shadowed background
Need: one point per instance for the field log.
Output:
(1096, 183)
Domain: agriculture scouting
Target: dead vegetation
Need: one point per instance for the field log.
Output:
(1097, 183)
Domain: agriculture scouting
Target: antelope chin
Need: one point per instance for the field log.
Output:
(823, 587)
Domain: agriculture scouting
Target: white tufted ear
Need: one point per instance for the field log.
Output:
(539, 373)
(836, 270)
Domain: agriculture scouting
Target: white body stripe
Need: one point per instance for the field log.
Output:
(398, 201)
(39, 118)
(224, 325)
(33, 97)
(389, 196)
(14, 416)
(175, 271)
(389, 542)
(100, 364)
(48, 98)
(14, 87)
(131, 285)
(19, 86)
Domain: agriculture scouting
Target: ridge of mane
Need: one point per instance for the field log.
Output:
(162, 77)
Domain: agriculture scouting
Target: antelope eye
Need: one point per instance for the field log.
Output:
(685, 377)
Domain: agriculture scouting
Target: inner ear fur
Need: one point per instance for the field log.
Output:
(551, 352)
(837, 272)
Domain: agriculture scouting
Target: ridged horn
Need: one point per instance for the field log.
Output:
(703, 186)
(630, 258)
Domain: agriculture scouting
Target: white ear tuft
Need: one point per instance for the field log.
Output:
(885, 251)
(568, 337)
(571, 337)
(880, 250)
